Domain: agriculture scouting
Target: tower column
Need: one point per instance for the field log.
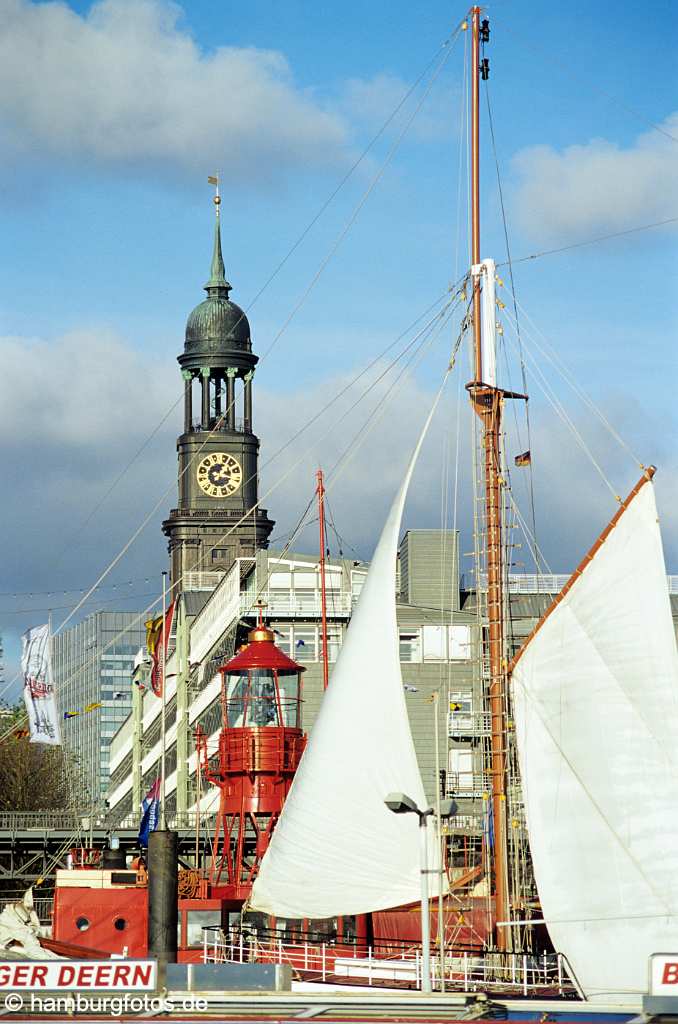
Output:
(205, 374)
(247, 413)
(188, 400)
(230, 398)
(217, 396)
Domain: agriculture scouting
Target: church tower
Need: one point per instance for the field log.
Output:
(218, 453)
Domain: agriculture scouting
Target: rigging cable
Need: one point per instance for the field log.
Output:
(523, 375)
(592, 241)
(361, 202)
(565, 69)
(559, 408)
(551, 354)
(362, 433)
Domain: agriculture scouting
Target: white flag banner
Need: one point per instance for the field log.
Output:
(36, 665)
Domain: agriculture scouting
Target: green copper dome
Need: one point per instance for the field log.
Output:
(217, 325)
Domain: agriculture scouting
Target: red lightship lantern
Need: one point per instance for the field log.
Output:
(260, 746)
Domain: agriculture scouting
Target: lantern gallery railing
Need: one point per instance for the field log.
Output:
(512, 973)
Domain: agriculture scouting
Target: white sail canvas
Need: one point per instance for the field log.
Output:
(596, 708)
(337, 849)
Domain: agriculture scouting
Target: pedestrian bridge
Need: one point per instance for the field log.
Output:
(33, 844)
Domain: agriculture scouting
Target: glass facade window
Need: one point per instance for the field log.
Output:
(93, 663)
(196, 921)
(410, 645)
(435, 646)
(333, 642)
(305, 643)
(283, 639)
(460, 643)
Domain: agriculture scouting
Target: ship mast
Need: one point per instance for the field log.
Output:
(320, 492)
(487, 401)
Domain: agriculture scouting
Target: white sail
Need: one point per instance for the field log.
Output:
(596, 709)
(337, 849)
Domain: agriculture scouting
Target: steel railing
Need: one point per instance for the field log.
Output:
(517, 973)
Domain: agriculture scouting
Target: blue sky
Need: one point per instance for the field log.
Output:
(113, 114)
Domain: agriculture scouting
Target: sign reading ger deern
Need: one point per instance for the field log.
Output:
(72, 975)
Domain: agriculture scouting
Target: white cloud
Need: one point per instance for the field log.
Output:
(597, 187)
(126, 83)
(87, 389)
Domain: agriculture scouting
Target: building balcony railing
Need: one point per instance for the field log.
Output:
(291, 605)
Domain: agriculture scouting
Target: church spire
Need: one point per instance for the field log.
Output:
(217, 284)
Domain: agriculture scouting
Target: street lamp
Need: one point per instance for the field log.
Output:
(400, 803)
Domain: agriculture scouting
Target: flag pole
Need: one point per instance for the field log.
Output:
(163, 656)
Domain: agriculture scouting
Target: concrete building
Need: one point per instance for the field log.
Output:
(92, 663)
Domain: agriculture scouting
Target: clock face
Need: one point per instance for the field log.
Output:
(219, 475)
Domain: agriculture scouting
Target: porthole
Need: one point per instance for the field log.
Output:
(82, 924)
(120, 924)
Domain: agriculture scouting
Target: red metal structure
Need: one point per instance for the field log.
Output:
(260, 746)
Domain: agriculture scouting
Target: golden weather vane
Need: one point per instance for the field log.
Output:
(213, 179)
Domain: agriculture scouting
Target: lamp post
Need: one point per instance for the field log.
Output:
(400, 803)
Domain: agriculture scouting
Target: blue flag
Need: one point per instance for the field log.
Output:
(150, 813)
(489, 825)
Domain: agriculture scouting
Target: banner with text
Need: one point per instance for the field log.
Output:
(39, 697)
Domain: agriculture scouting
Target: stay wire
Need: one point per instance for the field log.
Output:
(523, 375)
(550, 354)
(294, 533)
(557, 405)
(554, 62)
(314, 220)
(341, 541)
(360, 436)
(592, 241)
(358, 207)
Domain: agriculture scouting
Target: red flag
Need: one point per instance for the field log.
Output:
(157, 652)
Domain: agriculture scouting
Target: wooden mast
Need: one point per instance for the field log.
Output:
(487, 403)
